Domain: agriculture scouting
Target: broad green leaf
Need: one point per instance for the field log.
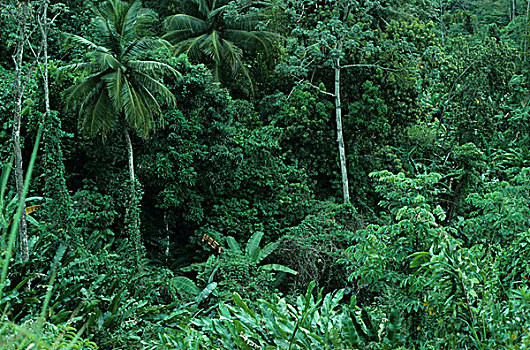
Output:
(233, 245)
(266, 251)
(205, 293)
(185, 284)
(252, 249)
(278, 268)
(239, 302)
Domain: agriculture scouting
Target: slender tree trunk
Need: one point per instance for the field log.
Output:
(132, 212)
(18, 95)
(340, 138)
(525, 39)
(58, 200)
(455, 199)
(442, 21)
(44, 71)
(168, 237)
(130, 159)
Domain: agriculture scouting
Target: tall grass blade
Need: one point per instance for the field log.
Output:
(16, 223)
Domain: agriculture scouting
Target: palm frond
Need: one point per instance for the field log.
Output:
(227, 36)
(85, 42)
(246, 21)
(129, 18)
(216, 46)
(157, 88)
(96, 115)
(143, 47)
(146, 18)
(89, 98)
(76, 67)
(135, 106)
(234, 61)
(232, 56)
(177, 36)
(137, 21)
(107, 60)
(79, 92)
(114, 83)
(217, 11)
(153, 110)
(153, 68)
(182, 21)
(251, 40)
(202, 6)
(105, 26)
(192, 46)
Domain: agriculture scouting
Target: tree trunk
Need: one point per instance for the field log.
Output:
(442, 21)
(455, 199)
(18, 95)
(132, 212)
(525, 39)
(340, 138)
(130, 158)
(58, 200)
(44, 71)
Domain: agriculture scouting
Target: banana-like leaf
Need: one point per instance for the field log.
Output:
(349, 330)
(239, 302)
(233, 245)
(185, 284)
(252, 249)
(370, 327)
(206, 292)
(278, 268)
(267, 250)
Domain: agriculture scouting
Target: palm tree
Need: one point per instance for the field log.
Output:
(119, 87)
(209, 32)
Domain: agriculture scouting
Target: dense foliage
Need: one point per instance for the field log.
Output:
(286, 174)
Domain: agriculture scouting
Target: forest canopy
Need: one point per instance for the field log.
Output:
(277, 174)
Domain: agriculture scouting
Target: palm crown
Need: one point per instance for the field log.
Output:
(120, 85)
(209, 34)
(120, 82)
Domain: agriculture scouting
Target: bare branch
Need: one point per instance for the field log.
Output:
(361, 65)
(451, 91)
(317, 88)
(33, 63)
(294, 88)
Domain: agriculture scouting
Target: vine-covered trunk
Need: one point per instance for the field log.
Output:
(58, 200)
(340, 138)
(18, 95)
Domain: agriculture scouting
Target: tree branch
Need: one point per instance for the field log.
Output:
(317, 88)
(361, 65)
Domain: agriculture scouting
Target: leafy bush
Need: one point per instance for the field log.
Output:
(42, 337)
(320, 322)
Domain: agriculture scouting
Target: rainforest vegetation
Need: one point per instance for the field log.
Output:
(264, 174)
